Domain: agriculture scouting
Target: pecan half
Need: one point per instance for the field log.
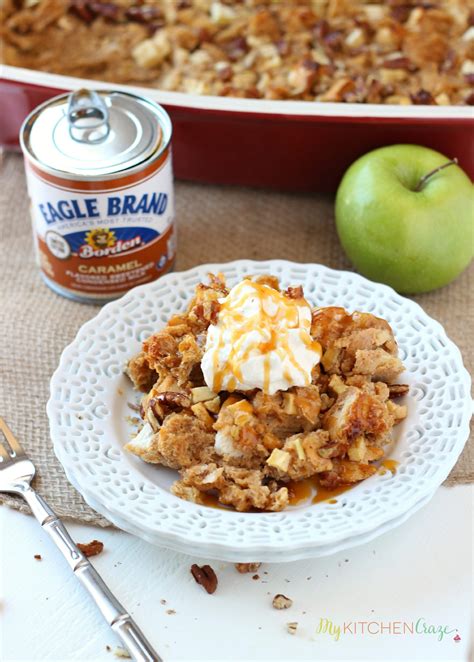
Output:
(225, 73)
(449, 61)
(205, 576)
(203, 35)
(82, 10)
(398, 390)
(321, 29)
(107, 10)
(399, 63)
(91, 548)
(401, 13)
(169, 401)
(283, 47)
(295, 292)
(334, 40)
(236, 48)
(88, 10)
(422, 98)
(207, 312)
(144, 14)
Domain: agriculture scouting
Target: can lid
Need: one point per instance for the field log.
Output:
(92, 133)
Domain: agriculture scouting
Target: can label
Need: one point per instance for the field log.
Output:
(99, 239)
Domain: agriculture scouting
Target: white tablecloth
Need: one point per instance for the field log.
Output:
(418, 573)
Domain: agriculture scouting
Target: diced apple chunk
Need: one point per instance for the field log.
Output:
(213, 405)
(289, 403)
(241, 405)
(358, 449)
(201, 412)
(298, 446)
(279, 460)
(152, 420)
(337, 385)
(201, 394)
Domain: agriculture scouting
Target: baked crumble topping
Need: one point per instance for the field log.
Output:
(248, 447)
(396, 52)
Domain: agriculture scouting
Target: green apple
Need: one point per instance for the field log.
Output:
(402, 224)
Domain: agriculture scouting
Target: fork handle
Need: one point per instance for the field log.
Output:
(119, 620)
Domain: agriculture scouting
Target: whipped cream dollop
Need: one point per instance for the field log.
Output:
(261, 340)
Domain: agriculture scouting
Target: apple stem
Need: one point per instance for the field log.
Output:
(425, 178)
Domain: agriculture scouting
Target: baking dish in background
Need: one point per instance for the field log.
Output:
(287, 145)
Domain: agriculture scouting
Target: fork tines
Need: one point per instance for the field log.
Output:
(13, 449)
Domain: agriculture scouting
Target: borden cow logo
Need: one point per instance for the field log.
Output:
(101, 242)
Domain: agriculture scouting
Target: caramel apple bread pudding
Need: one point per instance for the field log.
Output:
(391, 51)
(251, 391)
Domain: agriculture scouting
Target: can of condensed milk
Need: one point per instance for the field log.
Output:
(100, 182)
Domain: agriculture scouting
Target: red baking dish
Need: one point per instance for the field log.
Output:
(286, 145)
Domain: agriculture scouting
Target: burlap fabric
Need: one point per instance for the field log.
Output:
(215, 225)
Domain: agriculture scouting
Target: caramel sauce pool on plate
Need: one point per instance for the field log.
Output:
(299, 492)
(302, 490)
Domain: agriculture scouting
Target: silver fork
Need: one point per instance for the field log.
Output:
(16, 474)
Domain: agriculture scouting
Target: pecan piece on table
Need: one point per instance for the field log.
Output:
(292, 627)
(91, 548)
(205, 576)
(280, 601)
(247, 567)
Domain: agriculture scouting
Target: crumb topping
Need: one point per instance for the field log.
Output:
(361, 51)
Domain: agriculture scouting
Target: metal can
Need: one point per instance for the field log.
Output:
(100, 182)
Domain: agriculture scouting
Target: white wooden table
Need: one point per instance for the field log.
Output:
(420, 573)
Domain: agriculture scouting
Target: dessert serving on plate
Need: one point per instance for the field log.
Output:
(90, 421)
(394, 52)
(250, 392)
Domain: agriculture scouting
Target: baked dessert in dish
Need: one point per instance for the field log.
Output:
(251, 391)
(395, 52)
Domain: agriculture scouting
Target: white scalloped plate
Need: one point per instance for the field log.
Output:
(88, 410)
